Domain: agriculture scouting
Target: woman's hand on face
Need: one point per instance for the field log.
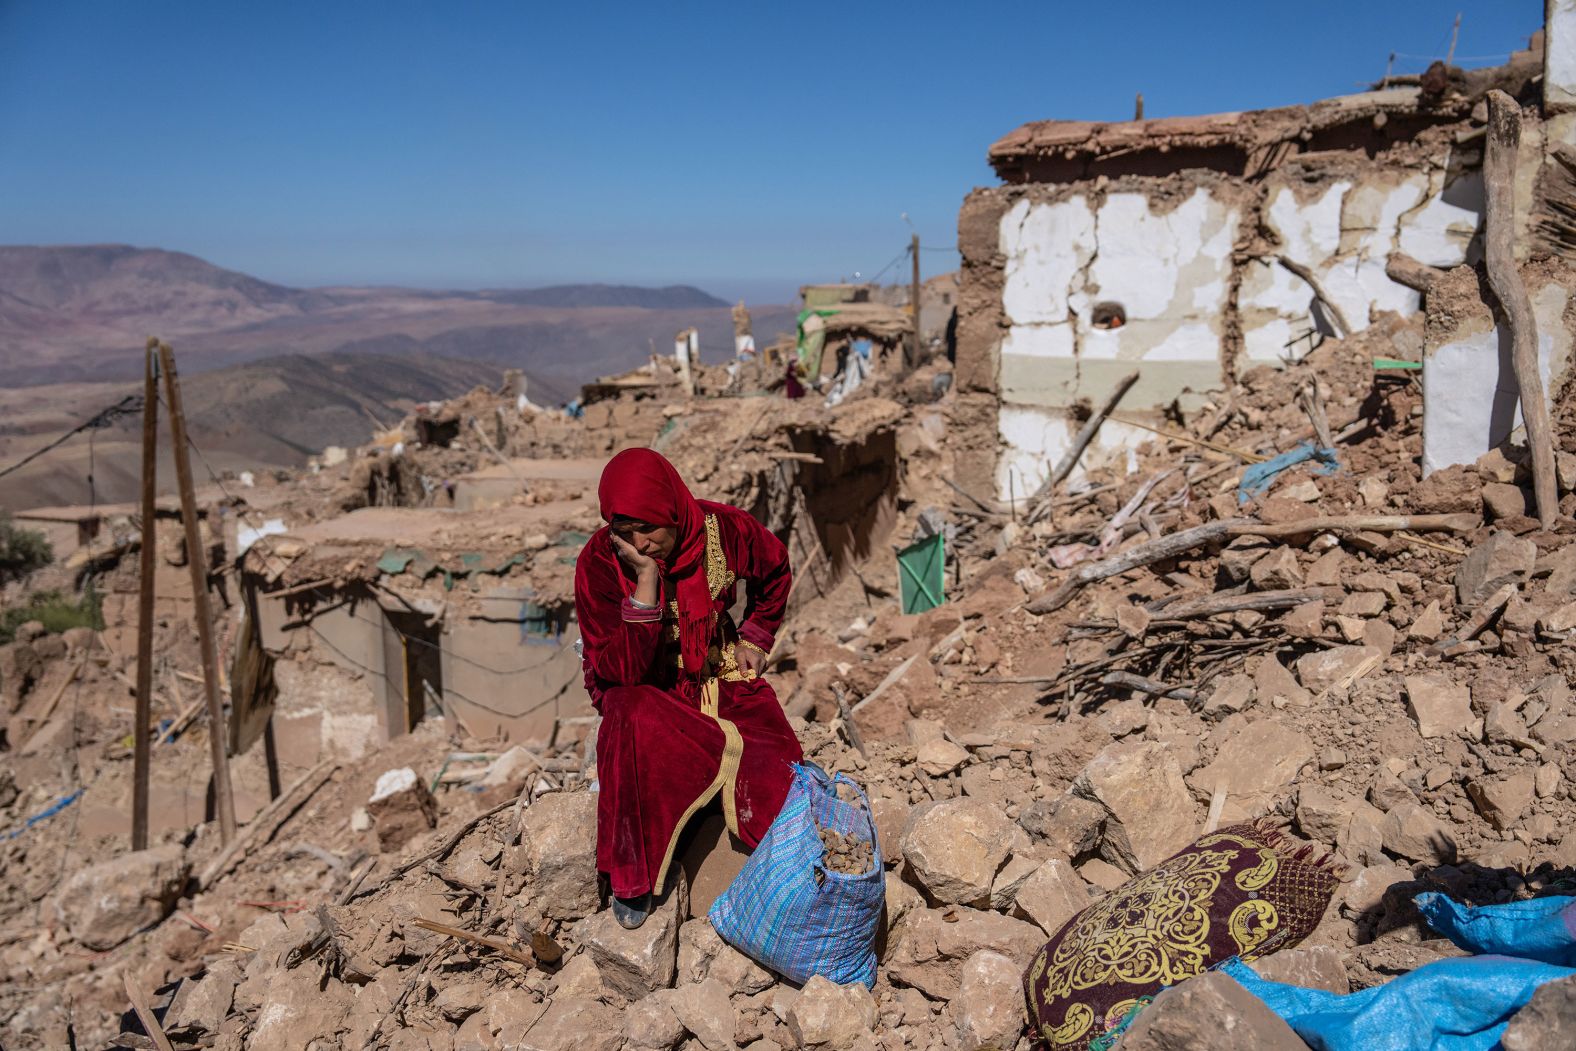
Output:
(751, 661)
(642, 565)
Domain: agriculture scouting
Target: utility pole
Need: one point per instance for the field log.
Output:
(913, 248)
(1455, 35)
(141, 745)
(196, 558)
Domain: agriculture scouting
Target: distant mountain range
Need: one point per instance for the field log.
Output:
(274, 374)
(81, 312)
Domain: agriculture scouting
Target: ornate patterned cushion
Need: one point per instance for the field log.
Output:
(1240, 891)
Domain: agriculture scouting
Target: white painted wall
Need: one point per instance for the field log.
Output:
(1559, 57)
(1171, 271)
(1459, 423)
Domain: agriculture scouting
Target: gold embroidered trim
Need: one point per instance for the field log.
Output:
(725, 782)
(718, 576)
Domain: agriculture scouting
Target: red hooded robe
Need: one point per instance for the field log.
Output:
(681, 724)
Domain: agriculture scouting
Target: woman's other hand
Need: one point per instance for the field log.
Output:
(751, 661)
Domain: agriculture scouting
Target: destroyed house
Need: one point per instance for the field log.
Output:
(1190, 250)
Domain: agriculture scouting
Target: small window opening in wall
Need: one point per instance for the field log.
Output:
(1108, 316)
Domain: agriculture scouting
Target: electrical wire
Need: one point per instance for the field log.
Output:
(131, 403)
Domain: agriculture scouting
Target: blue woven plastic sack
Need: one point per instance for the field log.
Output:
(786, 911)
(1542, 929)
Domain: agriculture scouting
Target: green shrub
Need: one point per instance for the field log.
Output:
(21, 550)
(57, 612)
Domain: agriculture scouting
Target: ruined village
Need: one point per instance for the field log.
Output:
(1225, 493)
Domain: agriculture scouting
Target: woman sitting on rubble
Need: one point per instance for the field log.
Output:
(685, 714)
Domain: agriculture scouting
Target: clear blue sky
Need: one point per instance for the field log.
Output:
(742, 147)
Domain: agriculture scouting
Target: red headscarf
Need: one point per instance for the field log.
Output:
(642, 484)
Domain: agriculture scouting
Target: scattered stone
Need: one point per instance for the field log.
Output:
(830, 1016)
(1069, 823)
(1547, 1022)
(634, 963)
(1150, 815)
(1503, 500)
(1210, 1011)
(1502, 800)
(557, 853)
(1322, 813)
(1363, 604)
(1052, 895)
(989, 1008)
(1388, 791)
(1546, 781)
(1365, 893)
(1274, 681)
(1441, 707)
(401, 807)
(1323, 669)
(204, 1002)
(575, 1024)
(1232, 694)
(1102, 874)
(103, 905)
(939, 757)
(932, 944)
(705, 1010)
(1560, 620)
(1429, 624)
(1415, 833)
(1312, 967)
(651, 1023)
(1254, 766)
(1277, 571)
(955, 848)
(1501, 559)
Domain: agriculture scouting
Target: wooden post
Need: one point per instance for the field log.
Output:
(1499, 250)
(913, 248)
(141, 746)
(196, 558)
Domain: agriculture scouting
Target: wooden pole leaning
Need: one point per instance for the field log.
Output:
(196, 559)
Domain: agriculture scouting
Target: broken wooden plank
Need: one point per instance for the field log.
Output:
(1188, 540)
(150, 1024)
(892, 677)
(1086, 433)
(261, 829)
(1504, 277)
(497, 945)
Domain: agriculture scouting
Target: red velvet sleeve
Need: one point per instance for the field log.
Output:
(618, 640)
(758, 556)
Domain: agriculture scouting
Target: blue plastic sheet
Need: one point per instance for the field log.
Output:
(54, 808)
(1257, 477)
(1542, 929)
(1450, 1005)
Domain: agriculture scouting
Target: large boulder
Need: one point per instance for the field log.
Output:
(829, 1016)
(103, 905)
(989, 1010)
(932, 946)
(402, 807)
(557, 853)
(955, 848)
(1150, 814)
(1211, 1011)
(634, 963)
(1254, 766)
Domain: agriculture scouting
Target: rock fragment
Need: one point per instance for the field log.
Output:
(1150, 813)
(103, 905)
(829, 1016)
(1440, 706)
(989, 1008)
(1502, 800)
(955, 848)
(401, 807)
(1501, 559)
(1212, 1011)
(557, 853)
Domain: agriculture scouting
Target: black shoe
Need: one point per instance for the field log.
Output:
(631, 912)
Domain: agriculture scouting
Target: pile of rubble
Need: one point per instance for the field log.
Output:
(1378, 662)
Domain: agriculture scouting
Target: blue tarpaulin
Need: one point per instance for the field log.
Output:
(1257, 477)
(1459, 1004)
